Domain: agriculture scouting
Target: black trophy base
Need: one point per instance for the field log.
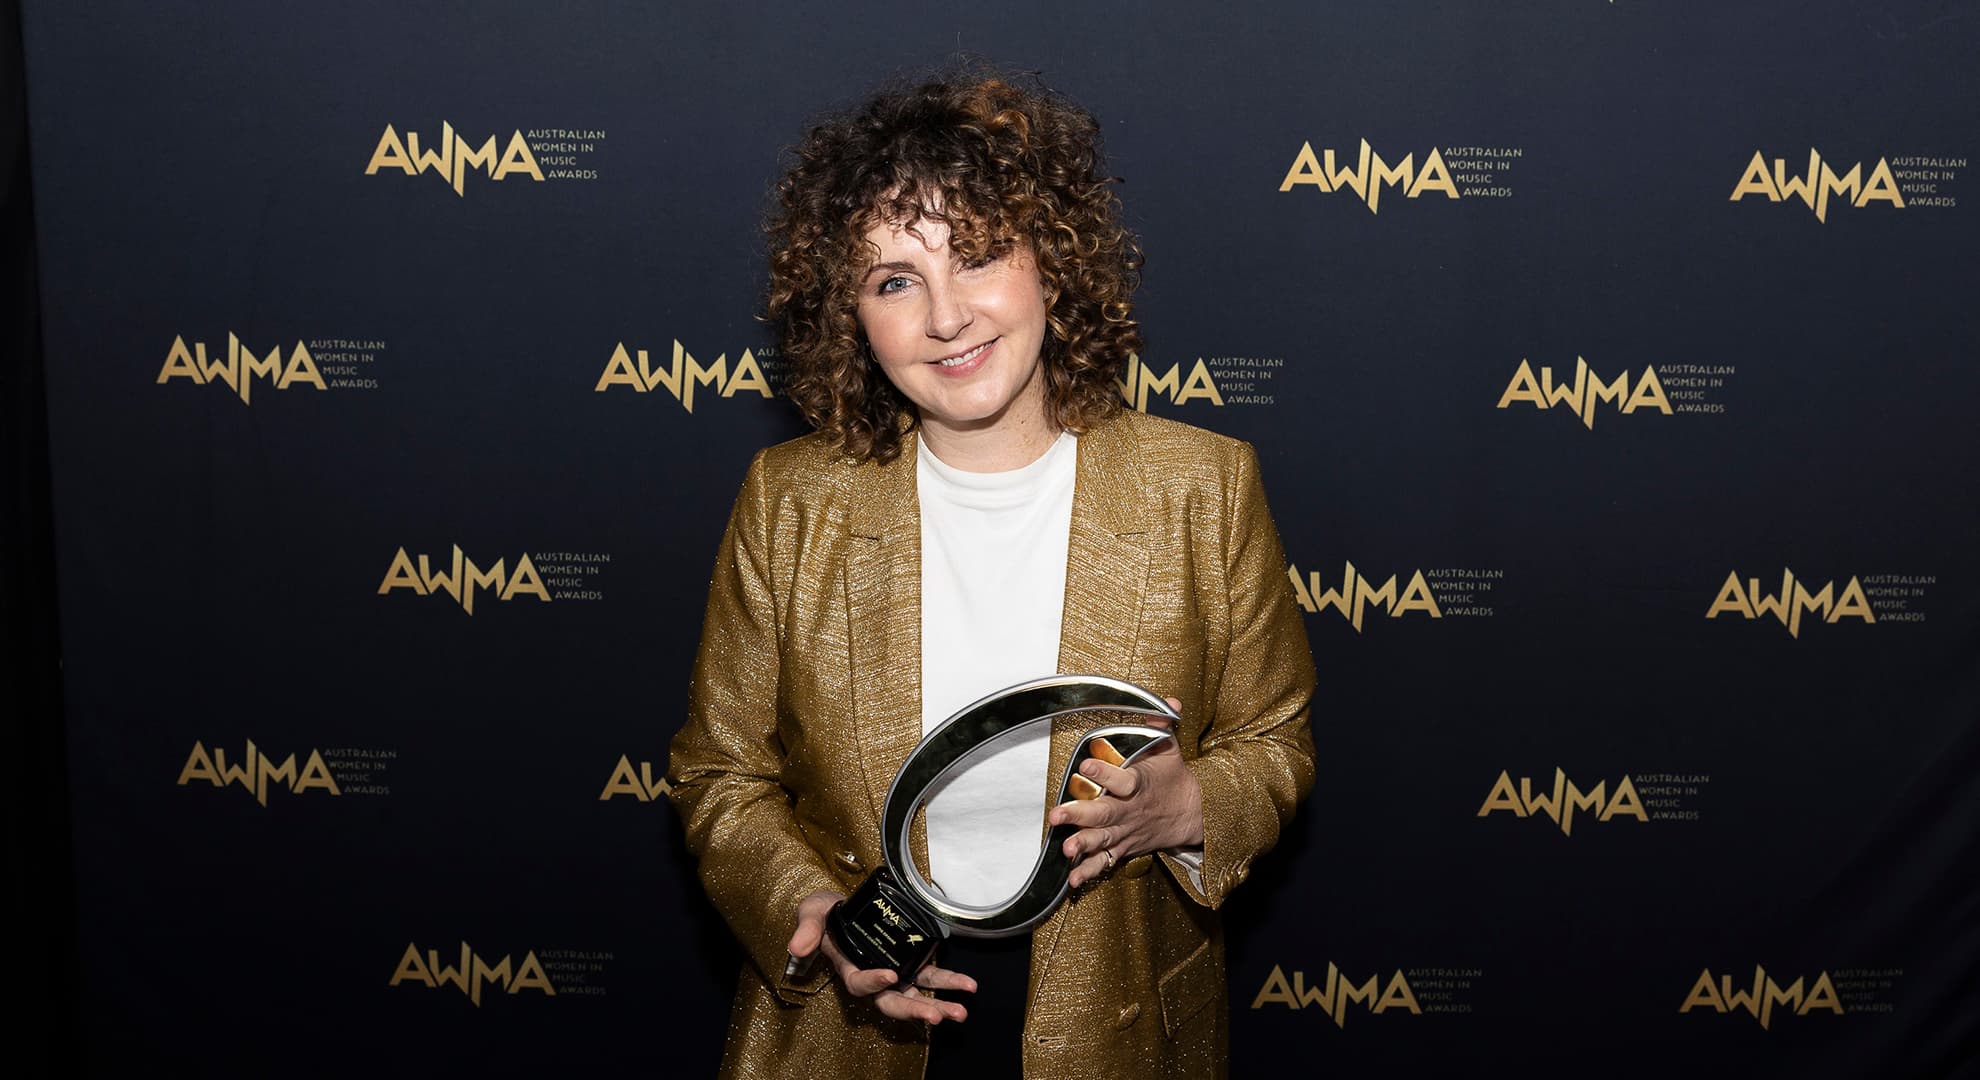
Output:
(881, 927)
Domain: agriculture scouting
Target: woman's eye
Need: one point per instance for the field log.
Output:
(892, 285)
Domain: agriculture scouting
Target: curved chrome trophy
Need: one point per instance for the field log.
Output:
(896, 917)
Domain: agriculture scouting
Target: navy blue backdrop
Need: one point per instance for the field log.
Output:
(1612, 366)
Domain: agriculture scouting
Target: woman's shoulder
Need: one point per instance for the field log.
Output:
(1162, 441)
(814, 473)
(807, 459)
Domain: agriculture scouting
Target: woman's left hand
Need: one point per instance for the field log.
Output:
(1152, 805)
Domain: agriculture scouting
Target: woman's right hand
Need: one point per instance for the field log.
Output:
(877, 984)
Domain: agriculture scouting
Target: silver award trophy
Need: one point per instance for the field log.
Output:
(897, 916)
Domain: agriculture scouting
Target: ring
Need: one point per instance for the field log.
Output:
(1109, 853)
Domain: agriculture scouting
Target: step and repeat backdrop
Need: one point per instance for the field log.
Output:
(1614, 369)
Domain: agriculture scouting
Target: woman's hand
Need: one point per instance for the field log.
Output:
(1152, 805)
(877, 984)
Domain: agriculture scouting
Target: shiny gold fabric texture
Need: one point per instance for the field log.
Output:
(805, 700)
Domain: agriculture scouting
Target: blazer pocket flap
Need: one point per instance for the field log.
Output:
(1187, 987)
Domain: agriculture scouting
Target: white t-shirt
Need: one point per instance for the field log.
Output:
(993, 586)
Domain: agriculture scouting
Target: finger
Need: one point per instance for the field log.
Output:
(935, 978)
(1087, 869)
(1106, 751)
(869, 981)
(1084, 814)
(811, 913)
(1119, 783)
(810, 931)
(1089, 842)
(1162, 721)
(840, 964)
(913, 1005)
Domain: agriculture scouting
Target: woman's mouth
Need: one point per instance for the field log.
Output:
(967, 359)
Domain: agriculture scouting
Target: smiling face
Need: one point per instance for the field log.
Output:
(962, 342)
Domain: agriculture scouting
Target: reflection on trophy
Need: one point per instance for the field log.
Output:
(897, 916)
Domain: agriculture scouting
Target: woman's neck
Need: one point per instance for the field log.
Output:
(1001, 447)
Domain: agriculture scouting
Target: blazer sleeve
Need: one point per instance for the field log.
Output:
(726, 763)
(1255, 761)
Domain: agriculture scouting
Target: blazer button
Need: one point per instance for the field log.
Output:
(849, 860)
(1137, 866)
(1129, 1014)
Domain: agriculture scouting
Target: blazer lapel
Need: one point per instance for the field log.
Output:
(1106, 564)
(883, 621)
(1106, 578)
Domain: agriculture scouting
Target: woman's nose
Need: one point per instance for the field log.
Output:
(948, 311)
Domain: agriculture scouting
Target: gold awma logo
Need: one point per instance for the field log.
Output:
(641, 785)
(1758, 1000)
(1357, 594)
(1814, 186)
(1370, 175)
(1586, 391)
(682, 375)
(1563, 800)
(472, 973)
(1334, 995)
(454, 157)
(1749, 602)
(1138, 380)
(464, 579)
(888, 912)
(255, 770)
(240, 367)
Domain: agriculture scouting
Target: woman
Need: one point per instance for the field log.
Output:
(976, 508)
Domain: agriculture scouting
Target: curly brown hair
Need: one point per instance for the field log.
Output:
(1000, 160)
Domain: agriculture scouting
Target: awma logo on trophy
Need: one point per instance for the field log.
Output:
(897, 916)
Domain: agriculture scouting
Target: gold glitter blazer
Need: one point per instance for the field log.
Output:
(806, 698)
